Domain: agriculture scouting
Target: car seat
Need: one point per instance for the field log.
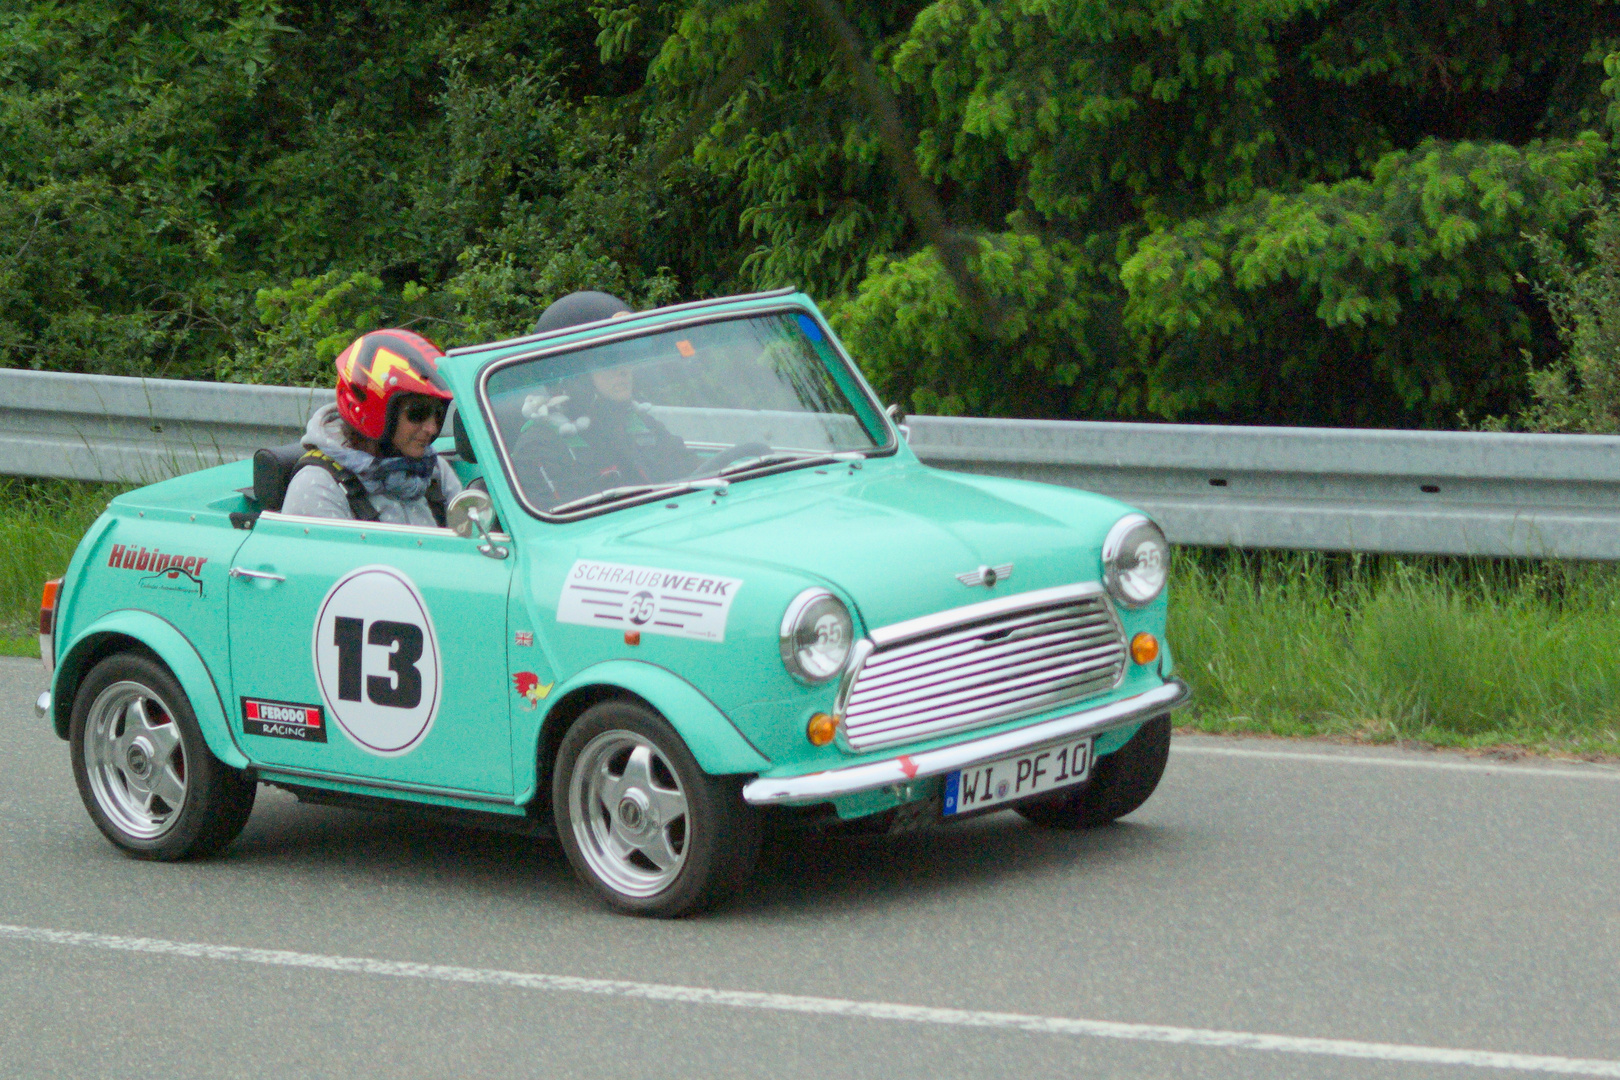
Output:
(272, 472)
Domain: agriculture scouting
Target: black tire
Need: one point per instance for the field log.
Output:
(1120, 782)
(675, 843)
(134, 738)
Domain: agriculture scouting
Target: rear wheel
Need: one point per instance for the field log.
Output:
(143, 770)
(641, 822)
(1120, 782)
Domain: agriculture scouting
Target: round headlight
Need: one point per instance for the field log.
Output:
(817, 634)
(1136, 561)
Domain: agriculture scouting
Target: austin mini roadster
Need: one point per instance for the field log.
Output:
(696, 583)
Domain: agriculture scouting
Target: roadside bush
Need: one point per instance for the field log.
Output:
(1579, 392)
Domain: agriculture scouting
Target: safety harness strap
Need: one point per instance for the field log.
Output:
(360, 504)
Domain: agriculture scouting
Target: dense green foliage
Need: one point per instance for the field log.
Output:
(1579, 392)
(163, 162)
(1295, 211)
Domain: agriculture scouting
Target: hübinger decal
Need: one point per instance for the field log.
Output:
(161, 569)
(676, 603)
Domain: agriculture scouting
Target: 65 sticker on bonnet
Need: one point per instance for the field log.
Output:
(676, 603)
(377, 660)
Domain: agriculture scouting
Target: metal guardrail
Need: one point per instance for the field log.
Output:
(1453, 493)
(106, 427)
(1324, 489)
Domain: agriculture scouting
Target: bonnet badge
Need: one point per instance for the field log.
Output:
(986, 575)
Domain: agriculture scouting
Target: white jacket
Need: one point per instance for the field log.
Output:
(314, 493)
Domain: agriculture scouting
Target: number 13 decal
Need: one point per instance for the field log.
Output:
(377, 660)
(404, 690)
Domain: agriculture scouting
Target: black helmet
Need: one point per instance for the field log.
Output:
(578, 308)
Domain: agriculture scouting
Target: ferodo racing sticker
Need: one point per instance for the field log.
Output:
(283, 720)
(377, 660)
(645, 598)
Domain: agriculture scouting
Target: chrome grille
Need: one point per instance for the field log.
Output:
(983, 663)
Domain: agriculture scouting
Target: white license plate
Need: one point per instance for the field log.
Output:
(1045, 768)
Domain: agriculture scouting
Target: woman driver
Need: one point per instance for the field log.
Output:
(370, 455)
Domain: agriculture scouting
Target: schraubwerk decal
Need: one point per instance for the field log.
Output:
(647, 599)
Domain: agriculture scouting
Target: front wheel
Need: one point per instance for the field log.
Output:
(143, 770)
(641, 822)
(1120, 782)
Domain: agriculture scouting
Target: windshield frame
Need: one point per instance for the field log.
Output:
(888, 448)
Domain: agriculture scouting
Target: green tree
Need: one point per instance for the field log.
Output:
(1297, 211)
(183, 182)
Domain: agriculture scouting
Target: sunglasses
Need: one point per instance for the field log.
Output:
(417, 412)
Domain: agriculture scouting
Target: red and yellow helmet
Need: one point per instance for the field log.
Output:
(379, 367)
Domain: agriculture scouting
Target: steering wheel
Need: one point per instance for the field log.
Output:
(721, 458)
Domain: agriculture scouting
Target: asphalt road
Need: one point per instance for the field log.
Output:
(1400, 905)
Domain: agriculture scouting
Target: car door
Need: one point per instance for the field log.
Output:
(372, 651)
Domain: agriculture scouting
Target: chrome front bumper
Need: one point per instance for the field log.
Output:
(821, 786)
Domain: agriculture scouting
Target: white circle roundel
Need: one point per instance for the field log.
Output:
(377, 660)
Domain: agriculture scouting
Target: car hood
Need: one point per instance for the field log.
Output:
(894, 537)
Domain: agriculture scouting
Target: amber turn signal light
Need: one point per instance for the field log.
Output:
(821, 729)
(1144, 648)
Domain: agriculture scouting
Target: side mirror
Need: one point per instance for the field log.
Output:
(472, 511)
(899, 417)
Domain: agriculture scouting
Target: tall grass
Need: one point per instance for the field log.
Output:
(41, 522)
(1452, 652)
(1444, 651)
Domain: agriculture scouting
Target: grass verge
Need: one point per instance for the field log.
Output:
(1448, 652)
(41, 522)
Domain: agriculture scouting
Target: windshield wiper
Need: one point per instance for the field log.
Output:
(717, 482)
(760, 461)
(614, 494)
(784, 457)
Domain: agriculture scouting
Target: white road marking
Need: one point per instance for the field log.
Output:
(1592, 772)
(823, 1006)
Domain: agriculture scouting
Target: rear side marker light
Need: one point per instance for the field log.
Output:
(47, 623)
(47, 607)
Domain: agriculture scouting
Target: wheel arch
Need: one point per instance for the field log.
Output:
(141, 631)
(720, 749)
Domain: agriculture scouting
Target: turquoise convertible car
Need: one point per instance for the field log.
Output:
(697, 584)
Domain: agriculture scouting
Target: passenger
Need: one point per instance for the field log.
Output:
(370, 455)
(579, 308)
(630, 445)
(604, 438)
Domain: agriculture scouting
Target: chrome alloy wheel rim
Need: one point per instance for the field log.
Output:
(629, 814)
(135, 760)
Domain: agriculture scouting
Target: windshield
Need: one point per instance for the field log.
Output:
(724, 399)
